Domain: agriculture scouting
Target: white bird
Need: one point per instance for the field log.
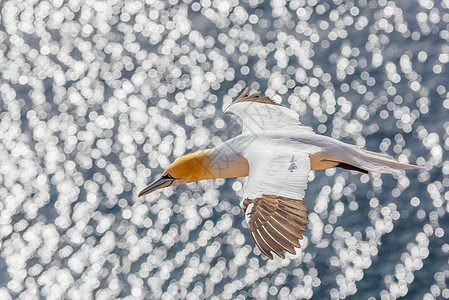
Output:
(276, 152)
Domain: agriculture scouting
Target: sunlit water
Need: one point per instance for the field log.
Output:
(97, 98)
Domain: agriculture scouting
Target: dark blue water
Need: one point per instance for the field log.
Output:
(97, 98)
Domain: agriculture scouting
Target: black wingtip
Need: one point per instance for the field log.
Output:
(346, 166)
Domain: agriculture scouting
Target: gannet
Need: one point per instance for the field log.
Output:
(276, 152)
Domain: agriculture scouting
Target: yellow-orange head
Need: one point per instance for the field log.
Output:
(198, 166)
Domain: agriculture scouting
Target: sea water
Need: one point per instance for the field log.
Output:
(98, 97)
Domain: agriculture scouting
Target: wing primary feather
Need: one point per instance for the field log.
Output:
(272, 243)
(294, 217)
(262, 245)
(245, 97)
(280, 238)
(265, 247)
(292, 236)
(294, 204)
(256, 240)
(294, 228)
(293, 239)
(268, 241)
(293, 211)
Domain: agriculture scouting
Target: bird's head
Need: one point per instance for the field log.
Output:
(189, 168)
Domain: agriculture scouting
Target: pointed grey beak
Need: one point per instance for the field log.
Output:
(160, 183)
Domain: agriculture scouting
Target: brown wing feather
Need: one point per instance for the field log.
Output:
(244, 97)
(276, 223)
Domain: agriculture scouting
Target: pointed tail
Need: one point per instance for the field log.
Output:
(375, 162)
(351, 157)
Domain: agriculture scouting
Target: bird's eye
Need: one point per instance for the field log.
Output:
(168, 176)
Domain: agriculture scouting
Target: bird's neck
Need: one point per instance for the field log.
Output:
(210, 164)
(226, 163)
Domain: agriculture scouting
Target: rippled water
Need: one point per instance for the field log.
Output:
(97, 98)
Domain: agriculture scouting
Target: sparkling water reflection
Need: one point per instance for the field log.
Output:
(98, 97)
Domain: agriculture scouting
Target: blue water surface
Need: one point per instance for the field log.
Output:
(98, 97)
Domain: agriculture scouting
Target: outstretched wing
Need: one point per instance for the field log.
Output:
(260, 114)
(273, 198)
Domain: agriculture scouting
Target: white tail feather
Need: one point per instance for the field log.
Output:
(376, 162)
(334, 152)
